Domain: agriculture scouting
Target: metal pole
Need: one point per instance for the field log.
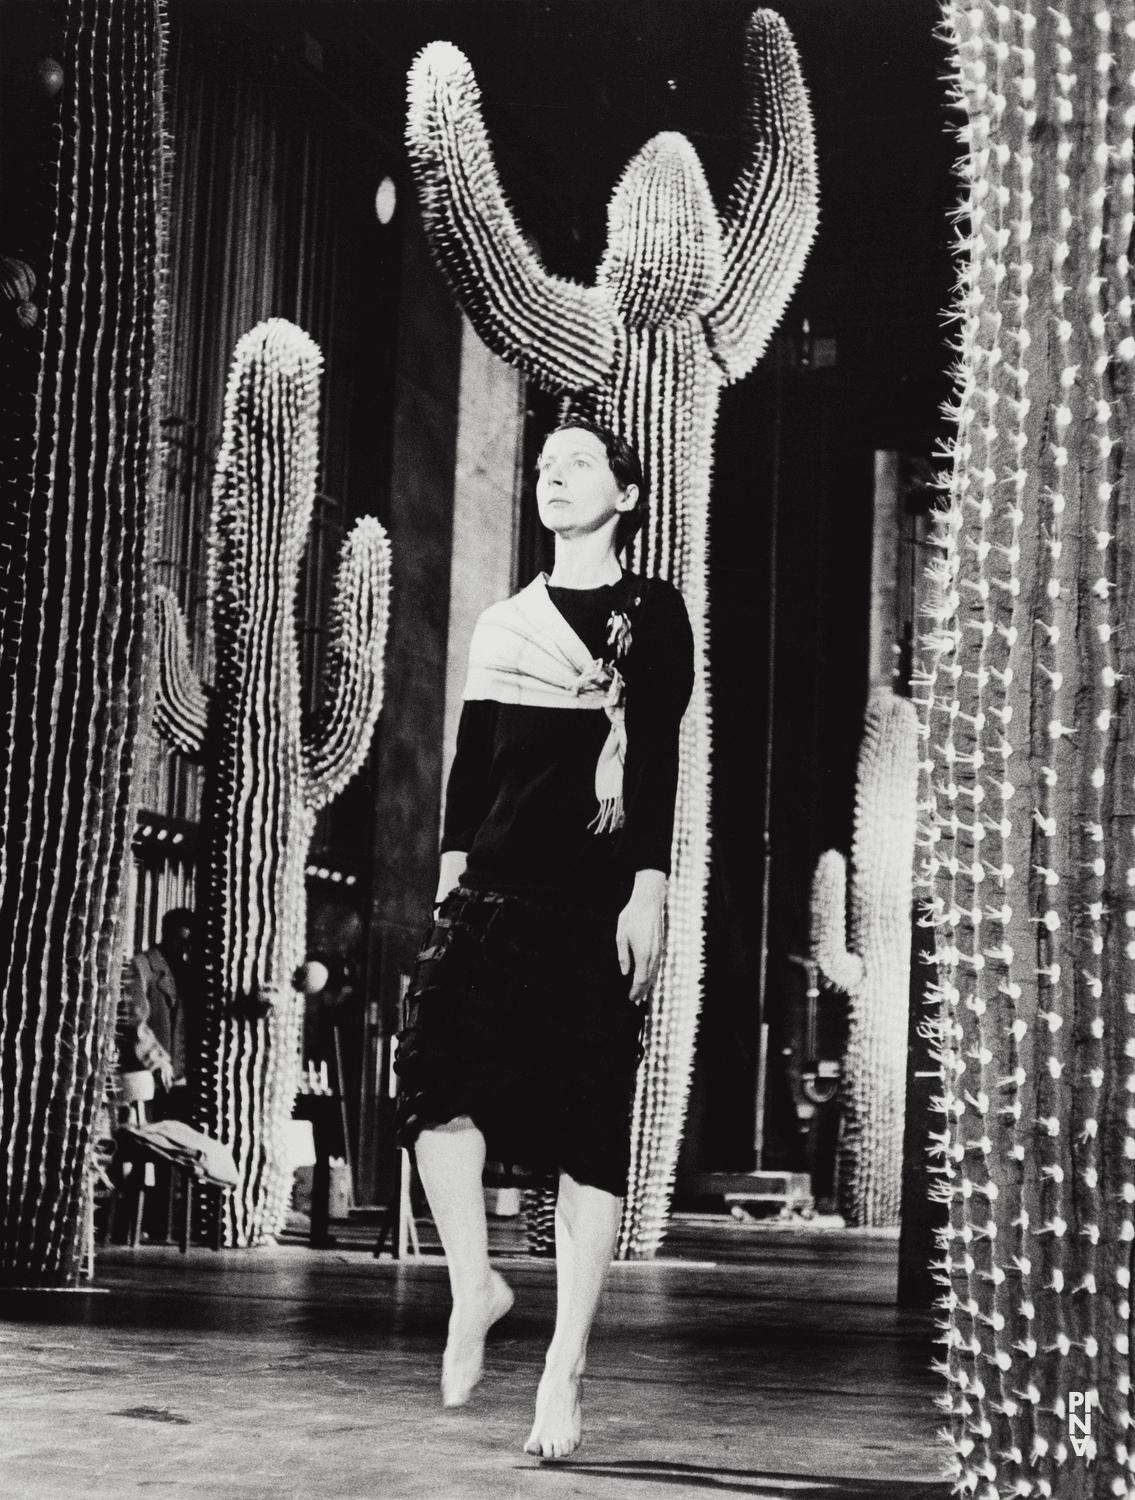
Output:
(762, 1077)
(766, 830)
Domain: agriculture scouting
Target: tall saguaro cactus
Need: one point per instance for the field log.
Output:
(684, 302)
(264, 780)
(1030, 847)
(77, 429)
(875, 973)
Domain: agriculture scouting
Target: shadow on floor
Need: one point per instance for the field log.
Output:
(757, 1482)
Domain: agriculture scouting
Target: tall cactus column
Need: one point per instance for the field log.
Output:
(1030, 843)
(264, 780)
(75, 459)
(684, 302)
(875, 972)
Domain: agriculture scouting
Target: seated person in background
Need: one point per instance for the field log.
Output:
(153, 1035)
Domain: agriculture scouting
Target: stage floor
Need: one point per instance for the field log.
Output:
(293, 1374)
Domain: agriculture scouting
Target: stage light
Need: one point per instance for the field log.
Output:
(386, 200)
(50, 76)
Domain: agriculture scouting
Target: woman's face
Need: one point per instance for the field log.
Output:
(575, 489)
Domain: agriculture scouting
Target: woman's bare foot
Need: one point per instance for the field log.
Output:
(558, 1428)
(463, 1363)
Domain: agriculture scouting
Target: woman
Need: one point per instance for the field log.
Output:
(527, 1002)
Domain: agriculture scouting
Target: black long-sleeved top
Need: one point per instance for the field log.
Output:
(521, 792)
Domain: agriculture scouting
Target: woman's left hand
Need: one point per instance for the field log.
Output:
(639, 933)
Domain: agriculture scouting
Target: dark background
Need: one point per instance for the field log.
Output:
(571, 90)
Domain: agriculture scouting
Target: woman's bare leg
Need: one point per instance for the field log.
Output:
(587, 1226)
(451, 1159)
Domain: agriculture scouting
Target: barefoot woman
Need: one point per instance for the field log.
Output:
(527, 1003)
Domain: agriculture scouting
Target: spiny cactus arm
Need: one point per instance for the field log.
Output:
(840, 968)
(563, 335)
(181, 702)
(886, 819)
(774, 208)
(360, 614)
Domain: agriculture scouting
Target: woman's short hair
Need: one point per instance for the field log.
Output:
(625, 465)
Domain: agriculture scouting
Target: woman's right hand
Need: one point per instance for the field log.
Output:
(640, 933)
(452, 869)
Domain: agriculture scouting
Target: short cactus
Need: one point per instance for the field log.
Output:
(684, 302)
(76, 457)
(875, 973)
(264, 780)
(1030, 857)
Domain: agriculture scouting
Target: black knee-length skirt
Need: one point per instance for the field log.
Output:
(518, 1016)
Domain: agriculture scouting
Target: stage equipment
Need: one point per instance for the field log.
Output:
(76, 436)
(265, 778)
(1030, 771)
(684, 302)
(874, 969)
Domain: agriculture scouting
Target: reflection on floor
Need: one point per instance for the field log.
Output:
(774, 1365)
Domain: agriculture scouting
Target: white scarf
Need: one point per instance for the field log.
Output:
(524, 651)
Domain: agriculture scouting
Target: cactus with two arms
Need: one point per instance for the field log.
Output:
(873, 970)
(265, 779)
(684, 302)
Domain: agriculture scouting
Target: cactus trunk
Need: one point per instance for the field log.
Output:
(875, 973)
(674, 435)
(256, 824)
(1030, 852)
(72, 613)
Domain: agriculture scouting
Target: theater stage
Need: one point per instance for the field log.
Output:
(775, 1365)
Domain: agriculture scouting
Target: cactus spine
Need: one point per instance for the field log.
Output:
(264, 780)
(72, 612)
(875, 974)
(1030, 860)
(684, 303)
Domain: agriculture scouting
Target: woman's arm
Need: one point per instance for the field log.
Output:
(452, 869)
(467, 792)
(660, 674)
(640, 931)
